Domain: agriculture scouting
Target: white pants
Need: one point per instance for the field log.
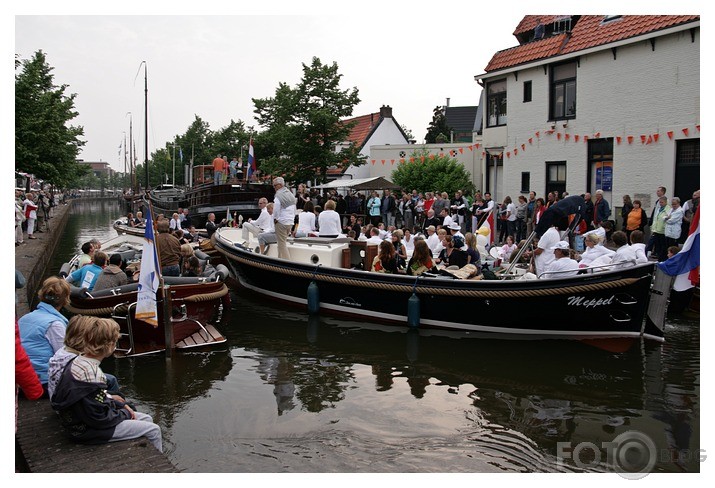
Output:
(249, 227)
(30, 226)
(143, 425)
(18, 233)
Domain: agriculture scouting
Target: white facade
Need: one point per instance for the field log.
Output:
(643, 88)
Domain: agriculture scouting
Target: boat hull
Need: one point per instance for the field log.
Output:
(193, 307)
(611, 304)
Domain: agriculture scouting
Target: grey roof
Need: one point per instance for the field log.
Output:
(461, 119)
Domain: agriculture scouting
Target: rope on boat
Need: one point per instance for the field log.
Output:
(430, 290)
(204, 297)
(207, 297)
(95, 311)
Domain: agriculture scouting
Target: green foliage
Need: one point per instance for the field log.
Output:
(45, 144)
(436, 173)
(303, 125)
(438, 127)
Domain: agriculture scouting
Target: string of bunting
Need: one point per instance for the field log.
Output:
(645, 140)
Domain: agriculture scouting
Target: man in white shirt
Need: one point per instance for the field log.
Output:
(283, 215)
(625, 256)
(263, 223)
(446, 219)
(374, 237)
(562, 264)
(432, 239)
(542, 254)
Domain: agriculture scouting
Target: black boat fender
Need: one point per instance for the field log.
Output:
(222, 273)
(65, 270)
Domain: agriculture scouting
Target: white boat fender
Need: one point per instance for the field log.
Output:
(413, 308)
(65, 270)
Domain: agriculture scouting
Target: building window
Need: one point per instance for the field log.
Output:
(555, 177)
(563, 91)
(527, 91)
(496, 103)
(525, 181)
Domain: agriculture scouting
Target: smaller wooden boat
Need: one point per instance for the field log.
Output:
(197, 304)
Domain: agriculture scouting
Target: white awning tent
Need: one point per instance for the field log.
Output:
(374, 183)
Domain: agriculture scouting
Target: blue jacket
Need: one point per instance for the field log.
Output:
(86, 276)
(601, 212)
(33, 328)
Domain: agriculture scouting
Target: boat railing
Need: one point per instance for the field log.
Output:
(590, 270)
(129, 334)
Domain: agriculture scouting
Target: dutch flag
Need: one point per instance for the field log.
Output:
(685, 265)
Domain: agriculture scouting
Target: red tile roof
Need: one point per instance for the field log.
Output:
(544, 48)
(590, 31)
(363, 126)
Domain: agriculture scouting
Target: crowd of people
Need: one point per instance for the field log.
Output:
(397, 220)
(33, 211)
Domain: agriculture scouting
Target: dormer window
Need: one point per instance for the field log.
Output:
(562, 24)
(610, 18)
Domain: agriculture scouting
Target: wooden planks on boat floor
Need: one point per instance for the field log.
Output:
(47, 449)
(199, 338)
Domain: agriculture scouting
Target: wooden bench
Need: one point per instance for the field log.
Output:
(45, 447)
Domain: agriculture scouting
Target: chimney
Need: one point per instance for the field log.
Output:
(386, 111)
(447, 101)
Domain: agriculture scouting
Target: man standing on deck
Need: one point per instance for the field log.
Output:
(283, 215)
(218, 163)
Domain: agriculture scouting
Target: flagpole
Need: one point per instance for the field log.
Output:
(166, 297)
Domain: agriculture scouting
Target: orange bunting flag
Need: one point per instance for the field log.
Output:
(575, 138)
(383, 161)
(558, 136)
(549, 132)
(508, 154)
(537, 134)
(402, 160)
(516, 151)
(412, 160)
(585, 138)
(630, 139)
(650, 140)
(422, 159)
(597, 135)
(618, 139)
(471, 148)
(531, 140)
(567, 136)
(431, 156)
(643, 139)
(698, 127)
(523, 147)
(392, 161)
(670, 134)
(484, 154)
(373, 161)
(655, 137)
(685, 131)
(461, 150)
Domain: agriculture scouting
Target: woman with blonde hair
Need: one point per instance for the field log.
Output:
(42, 331)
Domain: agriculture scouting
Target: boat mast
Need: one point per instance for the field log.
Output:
(146, 129)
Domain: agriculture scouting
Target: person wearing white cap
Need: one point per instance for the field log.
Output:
(456, 231)
(562, 265)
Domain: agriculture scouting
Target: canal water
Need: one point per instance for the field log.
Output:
(293, 393)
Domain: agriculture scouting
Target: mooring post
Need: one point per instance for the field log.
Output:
(168, 327)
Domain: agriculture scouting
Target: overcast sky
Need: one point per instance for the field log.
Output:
(401, 54)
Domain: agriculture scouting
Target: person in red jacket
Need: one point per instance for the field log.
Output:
(25, 377)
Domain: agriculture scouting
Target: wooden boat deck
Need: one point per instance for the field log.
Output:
(198, 339)
(43, 447)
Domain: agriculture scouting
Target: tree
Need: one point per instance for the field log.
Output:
(424, 172)
(303, 125)
(438, 130)
(45, 144)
